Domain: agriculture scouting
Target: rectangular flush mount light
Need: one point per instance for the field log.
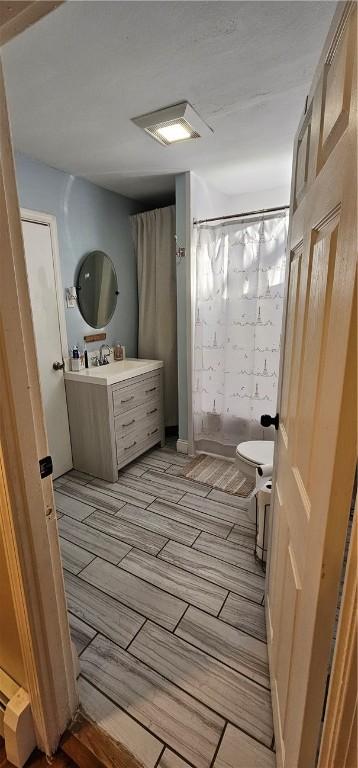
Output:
(173, 124)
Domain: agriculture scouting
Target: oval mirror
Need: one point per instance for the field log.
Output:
(97, 289)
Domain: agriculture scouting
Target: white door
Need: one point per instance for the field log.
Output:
(316, 445)
(42, 286)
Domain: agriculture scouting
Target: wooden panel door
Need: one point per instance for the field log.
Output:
(315, 450)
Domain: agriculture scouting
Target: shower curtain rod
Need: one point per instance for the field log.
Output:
(242, 215)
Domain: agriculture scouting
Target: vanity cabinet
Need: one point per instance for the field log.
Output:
(112, 424)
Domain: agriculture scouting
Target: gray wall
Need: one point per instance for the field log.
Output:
(88, 218)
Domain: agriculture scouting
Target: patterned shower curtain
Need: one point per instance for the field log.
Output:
(240, 272)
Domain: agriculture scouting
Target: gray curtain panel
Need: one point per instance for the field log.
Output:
(154, 241)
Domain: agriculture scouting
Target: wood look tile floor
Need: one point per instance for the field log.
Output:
(165, 603)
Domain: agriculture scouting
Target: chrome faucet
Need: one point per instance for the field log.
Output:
(103, 358)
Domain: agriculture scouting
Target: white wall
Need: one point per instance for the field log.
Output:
(207, 202)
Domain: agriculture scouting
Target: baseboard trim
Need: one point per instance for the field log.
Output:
(182, 446)
(216, 456)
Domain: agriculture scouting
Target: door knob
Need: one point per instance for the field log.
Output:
(267, 420)
(58, 366)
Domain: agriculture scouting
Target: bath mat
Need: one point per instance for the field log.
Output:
(219, 473)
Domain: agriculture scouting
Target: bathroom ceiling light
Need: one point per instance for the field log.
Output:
(173, 124)
(174, 132)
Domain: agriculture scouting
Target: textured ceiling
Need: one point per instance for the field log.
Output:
(77, 77)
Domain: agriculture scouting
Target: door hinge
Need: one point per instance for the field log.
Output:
(46, 466)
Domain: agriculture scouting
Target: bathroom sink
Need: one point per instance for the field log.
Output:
(114, 372)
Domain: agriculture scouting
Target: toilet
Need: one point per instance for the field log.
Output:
(251, 454)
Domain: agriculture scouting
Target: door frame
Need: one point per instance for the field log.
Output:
(39, 217)
(339, 742)
(27, 511)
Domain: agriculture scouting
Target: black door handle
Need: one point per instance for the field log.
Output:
(267, 420)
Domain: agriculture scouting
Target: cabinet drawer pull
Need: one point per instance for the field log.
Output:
(130, 446)
(147, 391)
(149, 434)
(129, 423)
(128, 399)
(154, 410)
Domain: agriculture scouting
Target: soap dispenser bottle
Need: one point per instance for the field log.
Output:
(118, 352)
(75, 360)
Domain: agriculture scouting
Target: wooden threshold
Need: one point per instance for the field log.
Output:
(83, 745)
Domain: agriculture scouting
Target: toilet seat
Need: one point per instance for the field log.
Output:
(256, 452)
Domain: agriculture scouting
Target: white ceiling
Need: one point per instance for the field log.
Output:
(77, 77)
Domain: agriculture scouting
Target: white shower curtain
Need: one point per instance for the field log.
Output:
(154, 241)
(240, 270)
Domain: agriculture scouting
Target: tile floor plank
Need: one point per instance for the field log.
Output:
(229, 552)
(244, 538)
(127, 532)
(217, 509)
(82, 477)
(89, 495)
(60, 481)
(176, 581)
(175, 469)
(98, 543)
(71, 506)
(230, 577)
(192, 517)
(231, 499)
(123, 492)
(146, 518)
(179, 483)
(172, 715)
(172, 456)
(236, 649)
(170, 760)
(146, 461)
(132, 591)
(74, 558)
(120, 726)
(101, 612)
(133, 470)
(152, 487)
(237, 750)
(81, 633)
(231, 695)
(244, 615)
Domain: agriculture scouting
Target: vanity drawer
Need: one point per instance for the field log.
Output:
(131, 396)
(137, 441)
(137, 418)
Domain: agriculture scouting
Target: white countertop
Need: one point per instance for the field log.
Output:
(113, 372)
